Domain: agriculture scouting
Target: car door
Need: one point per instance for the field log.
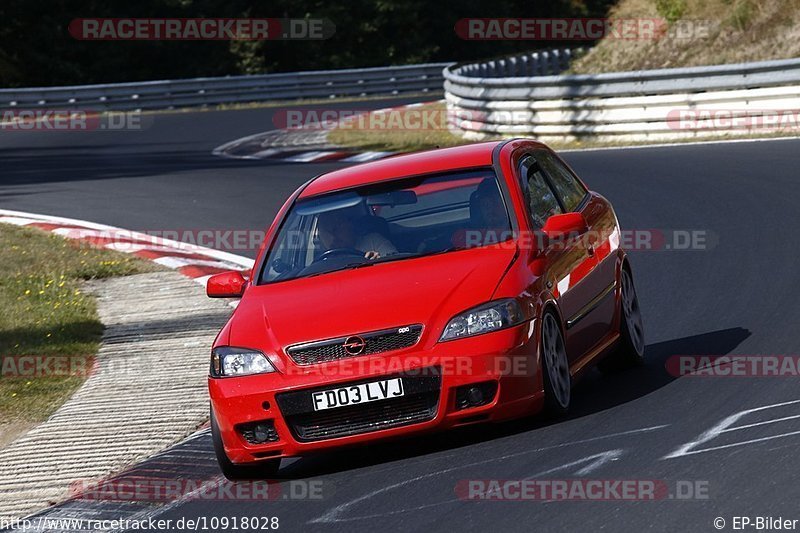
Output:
(565, 260)
(586, 296)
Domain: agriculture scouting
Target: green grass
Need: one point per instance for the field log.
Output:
(47, 313)
(671, 10)
(741, 14)
(373, 136)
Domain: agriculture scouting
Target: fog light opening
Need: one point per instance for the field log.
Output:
(475, 395)
(259, 432)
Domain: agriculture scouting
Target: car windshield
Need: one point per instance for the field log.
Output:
(388, 221)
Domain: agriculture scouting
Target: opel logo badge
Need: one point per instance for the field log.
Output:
(354, 345)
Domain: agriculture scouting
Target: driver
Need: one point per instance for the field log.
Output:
(336, 230)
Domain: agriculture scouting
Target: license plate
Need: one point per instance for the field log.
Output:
(356, 394)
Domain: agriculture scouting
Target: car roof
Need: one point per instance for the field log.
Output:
(414, 164)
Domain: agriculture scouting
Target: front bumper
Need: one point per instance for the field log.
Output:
(508, 360)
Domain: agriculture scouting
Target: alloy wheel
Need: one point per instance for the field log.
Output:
(555, 355)
(632, 313)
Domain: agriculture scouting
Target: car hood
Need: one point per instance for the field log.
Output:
(426, 290)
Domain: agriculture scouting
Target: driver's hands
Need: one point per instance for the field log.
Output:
(372, 255)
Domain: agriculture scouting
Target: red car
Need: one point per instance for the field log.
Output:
(418, 293)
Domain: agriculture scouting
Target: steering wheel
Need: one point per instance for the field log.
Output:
(339, 251)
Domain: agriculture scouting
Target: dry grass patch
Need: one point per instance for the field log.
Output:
(737, 31)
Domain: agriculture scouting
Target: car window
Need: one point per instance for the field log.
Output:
(568, 188)
(539, 196)
(393, 220)
(450, 197)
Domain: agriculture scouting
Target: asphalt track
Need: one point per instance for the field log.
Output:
(738, 296)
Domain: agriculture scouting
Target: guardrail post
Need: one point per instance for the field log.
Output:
(536, 64)
(555, 62)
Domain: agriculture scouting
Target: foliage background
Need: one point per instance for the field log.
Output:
(37, 50)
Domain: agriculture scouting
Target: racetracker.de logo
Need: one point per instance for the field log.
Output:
(159, 490)
(734, 366)
(759, 120)
(580, 489)
(156, 489)
(579, 29)
(200, 29)
(45, 366)
(21, 120)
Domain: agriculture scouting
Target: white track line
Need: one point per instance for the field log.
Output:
(366, 156)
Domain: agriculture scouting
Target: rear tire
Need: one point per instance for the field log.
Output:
(555, 367)
(630, 351)
(259, 470)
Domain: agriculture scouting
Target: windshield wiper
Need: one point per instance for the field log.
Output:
(398, 257)
(446, 250)
(387, 259)
(348, 266)
(370, 262)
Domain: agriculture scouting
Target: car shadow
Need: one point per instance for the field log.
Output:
(592, 394)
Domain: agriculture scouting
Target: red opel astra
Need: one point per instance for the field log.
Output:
(419, 293)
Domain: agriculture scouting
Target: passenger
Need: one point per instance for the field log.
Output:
(491, 213)
(488, 222)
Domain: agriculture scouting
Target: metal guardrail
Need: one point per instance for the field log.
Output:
(232, 89)
(485, 100)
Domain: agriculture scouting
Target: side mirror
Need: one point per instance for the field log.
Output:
(226, 285)
(558, 226)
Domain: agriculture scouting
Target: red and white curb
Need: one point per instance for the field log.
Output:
(302, 145)
(147, 386)
(193, 261)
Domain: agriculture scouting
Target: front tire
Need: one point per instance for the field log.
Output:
(233, 472)
(630, 351)
(555, 366)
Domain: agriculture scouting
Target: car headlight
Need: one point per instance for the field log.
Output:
(229, 361)
(491, 316)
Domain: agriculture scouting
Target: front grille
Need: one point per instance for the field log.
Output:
(373, 342)
(419, 404)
